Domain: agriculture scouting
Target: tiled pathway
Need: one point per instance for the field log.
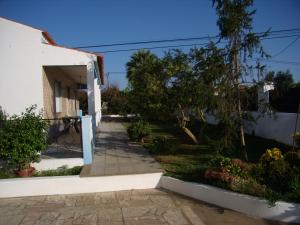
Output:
(116, 155)
(137, 207)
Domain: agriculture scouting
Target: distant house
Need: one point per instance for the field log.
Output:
(35, 70)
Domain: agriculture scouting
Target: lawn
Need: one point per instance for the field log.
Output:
(188, 161)
(182, 159)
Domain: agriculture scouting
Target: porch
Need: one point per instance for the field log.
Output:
(69, 92)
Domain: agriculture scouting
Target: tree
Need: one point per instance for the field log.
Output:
(193, 80)
(147, 84)
(283, 81)
(116, 100)
(235, 25)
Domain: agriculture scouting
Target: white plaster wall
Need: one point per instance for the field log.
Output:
(57, 56)
(22, 56)
(20, 70)
(54, 55)
(279, 126)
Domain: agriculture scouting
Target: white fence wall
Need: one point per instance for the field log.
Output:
(279, 126)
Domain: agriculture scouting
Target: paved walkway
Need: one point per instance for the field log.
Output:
(115, 154)
(137, 207)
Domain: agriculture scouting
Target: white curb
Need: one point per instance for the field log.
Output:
(34, 186)
(282, 211)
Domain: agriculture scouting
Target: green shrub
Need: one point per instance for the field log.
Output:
(138, 130)
(297, 138)
(62, 171)
(293, 158)
(278, 172)
(221, 163)
(162, 145)
(22, 138)
(277, 175)
(248, 186)
(3, 117)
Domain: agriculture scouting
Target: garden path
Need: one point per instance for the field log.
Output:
(114, 154)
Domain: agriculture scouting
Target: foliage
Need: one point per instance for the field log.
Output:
(270, 155)
(297, 136)
(138, 130)
(3, 117)
(293, 158)
(147, 85)
(283, 81)
(235, 24)
(189, 162)
(22, 138)
(279, 172)
(192, 83)
(62, 171)
(233, 174)
(162, 145)
(232, 167)
(117, 101)
(248, 186)
(285, 96)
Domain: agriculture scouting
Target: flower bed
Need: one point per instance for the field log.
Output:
(275, 176)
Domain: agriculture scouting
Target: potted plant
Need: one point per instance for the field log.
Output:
(22, 138)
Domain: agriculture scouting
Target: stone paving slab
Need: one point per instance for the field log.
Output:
(134, 207)
(114, 154)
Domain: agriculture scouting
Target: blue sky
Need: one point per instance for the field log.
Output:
(78, 22)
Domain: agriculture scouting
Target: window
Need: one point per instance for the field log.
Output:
(57, 94)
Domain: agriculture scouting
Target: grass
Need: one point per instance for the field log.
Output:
(187, 161)
(63, 171)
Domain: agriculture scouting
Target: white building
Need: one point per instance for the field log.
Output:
(35, 70)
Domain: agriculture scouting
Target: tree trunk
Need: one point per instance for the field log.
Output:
(182, 123)
(242, 134)
(190, 134)
(239, 109)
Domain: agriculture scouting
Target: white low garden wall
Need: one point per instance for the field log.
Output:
(282, 211)
(119, 116)
(279, 126)
(35, 186)
(53, 164)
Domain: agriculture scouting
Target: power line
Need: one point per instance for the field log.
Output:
(156, 47)
(282, 62)
(286, 47)
(177, 39)
(182, 45)
(268, 60)
(116, 72)
(149, 42)
(279, 37)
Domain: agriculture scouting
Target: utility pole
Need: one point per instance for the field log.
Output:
(107, 79)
